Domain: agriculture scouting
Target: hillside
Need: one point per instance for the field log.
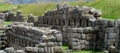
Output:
(33, 1)
(110, 8)
(4, 7)
(2, 1)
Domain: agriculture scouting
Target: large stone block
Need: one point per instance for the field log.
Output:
(41, 50)
(112, 35)
(111, 42)
(19, 51)
(2, 51)
(80, 30)
(57, 49)
(58, 37)
(78, 47)
(75, 43)
(50, 44)
(75, 35)
(9, 50)
(42, 44)
(74, 40)
(111, 23)
(111, 30)
(83, 36)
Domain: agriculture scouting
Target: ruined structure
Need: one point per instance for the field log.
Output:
(82, 28)
(73, 23)
(10, 16)
(44, 40)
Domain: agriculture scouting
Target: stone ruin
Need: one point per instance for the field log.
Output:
(10, 16)
(33, 39)
(68, 19)
(81, 38)
(68, 16)
(82, 28)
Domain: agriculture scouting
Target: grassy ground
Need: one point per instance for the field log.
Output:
(3, 24)
(65, 47)
(4, 7)
(110, 8)
(36, 9)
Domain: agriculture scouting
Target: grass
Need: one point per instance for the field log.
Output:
(87, 52)
(109, 8)
(3, 24)
(65, 47)
(36, 9)
(4, 7)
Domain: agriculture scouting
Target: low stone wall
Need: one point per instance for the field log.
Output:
(10, 16)
(24, 35)
(81, 38)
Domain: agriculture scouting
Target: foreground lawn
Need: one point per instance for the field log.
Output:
(87, 52)
(65, 47)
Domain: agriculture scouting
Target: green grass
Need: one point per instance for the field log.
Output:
(36, 9)
(87, 52)
(4, 7)
(110, 8)
(65, 47)
(3, 24)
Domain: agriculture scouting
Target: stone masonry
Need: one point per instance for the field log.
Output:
(44, 40)
(82, 28)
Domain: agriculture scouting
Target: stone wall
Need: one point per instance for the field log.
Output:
(24, 35)
(82, 28)
(70, 20)
(81, 38)
(107, 33)
(68, 16)
(10, 16)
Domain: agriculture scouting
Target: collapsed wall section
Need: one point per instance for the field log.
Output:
(24, 35)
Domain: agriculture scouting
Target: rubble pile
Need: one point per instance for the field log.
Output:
(10, 16)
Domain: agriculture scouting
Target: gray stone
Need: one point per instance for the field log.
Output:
(9, 50)
(57, 49)
(50, 44)
(80, 30)
(112, 35)
(111, 23)
(76, 47)
(83, 36)
(75, 43)
(42, 44)
(41, 50)
(20, 51)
